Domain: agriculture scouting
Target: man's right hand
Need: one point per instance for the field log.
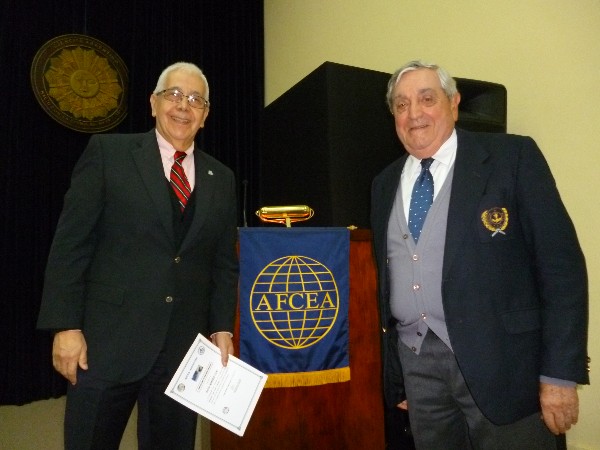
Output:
(69, 351)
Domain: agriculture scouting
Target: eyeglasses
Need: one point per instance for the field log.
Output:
(175, 95)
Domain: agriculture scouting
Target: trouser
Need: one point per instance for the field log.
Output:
(97, 413)
(444, 416)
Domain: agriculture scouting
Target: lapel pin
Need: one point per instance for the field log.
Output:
(210, 172)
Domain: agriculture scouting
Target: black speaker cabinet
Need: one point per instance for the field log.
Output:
(324, 140)
(482, 106)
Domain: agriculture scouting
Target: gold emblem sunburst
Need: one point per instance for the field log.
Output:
(81, 83)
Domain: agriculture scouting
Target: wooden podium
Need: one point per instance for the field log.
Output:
(345, 415)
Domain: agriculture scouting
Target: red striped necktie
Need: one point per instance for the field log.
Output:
(179, 182)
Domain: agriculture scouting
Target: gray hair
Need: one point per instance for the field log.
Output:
(447, 82)
(185, 67)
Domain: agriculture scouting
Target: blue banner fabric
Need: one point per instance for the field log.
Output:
(294, 290)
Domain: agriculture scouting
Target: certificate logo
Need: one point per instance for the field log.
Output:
(197, 372)
(294, 302)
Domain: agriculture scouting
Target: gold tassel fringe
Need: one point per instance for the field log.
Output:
(292, 379)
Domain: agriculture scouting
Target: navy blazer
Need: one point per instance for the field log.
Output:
(114, 269)
(515, 301)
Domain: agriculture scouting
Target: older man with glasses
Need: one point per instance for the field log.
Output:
(138, 268)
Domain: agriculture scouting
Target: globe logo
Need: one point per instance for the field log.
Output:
(294, 302)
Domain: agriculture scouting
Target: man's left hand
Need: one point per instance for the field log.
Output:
(560, 407)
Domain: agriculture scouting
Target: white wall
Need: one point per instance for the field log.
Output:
(546, 53)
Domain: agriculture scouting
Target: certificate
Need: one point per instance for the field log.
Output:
(225, 395)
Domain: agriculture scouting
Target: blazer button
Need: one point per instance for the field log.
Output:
(177, 259)
(169, 299)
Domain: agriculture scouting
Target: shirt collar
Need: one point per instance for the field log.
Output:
(167, 148)
(445, 155)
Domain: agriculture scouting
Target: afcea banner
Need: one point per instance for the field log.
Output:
(294, 290)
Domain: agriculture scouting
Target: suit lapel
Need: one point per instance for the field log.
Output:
(391, 189)
(470, 178)
(149, 164)
(381, 220)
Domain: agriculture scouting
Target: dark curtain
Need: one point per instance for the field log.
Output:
(224, 38)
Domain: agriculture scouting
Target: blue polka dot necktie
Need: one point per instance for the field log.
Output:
(421, 199)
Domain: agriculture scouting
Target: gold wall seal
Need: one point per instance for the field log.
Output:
(80, 82)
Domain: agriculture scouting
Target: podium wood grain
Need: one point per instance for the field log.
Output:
(341, 416)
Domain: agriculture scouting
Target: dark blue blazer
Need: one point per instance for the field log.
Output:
(515, 302)
(115, 270)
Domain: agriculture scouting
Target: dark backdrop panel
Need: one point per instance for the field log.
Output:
(323, 142)
(224, 38)
(326, 138)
